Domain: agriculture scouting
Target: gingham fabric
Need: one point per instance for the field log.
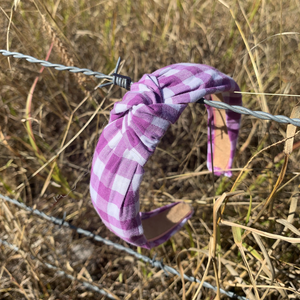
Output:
(136, 125)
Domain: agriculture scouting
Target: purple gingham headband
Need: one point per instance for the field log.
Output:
(136, 125)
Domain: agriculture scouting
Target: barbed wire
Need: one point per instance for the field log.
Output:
(125, 82)
(115, 78)
(152, 261)
(59, 272)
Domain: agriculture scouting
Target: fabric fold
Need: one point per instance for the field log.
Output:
(136, 125)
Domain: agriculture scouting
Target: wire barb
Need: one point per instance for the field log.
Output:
(118, 79)
(122, 81)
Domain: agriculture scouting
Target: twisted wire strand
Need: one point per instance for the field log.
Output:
(60, 272)
(155, 263)
(117, 79)
(246, 111)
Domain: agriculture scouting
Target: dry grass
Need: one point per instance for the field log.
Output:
(41, 111)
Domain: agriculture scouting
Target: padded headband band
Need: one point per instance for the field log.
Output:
(136, 125)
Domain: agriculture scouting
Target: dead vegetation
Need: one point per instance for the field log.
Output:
(50, 122)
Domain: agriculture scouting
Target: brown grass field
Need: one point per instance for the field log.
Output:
(254, 41)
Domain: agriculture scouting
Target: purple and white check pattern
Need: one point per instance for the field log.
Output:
(136, 125)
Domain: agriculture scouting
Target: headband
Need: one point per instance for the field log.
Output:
(136, 125)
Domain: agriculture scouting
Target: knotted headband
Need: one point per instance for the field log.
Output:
(136, 125)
